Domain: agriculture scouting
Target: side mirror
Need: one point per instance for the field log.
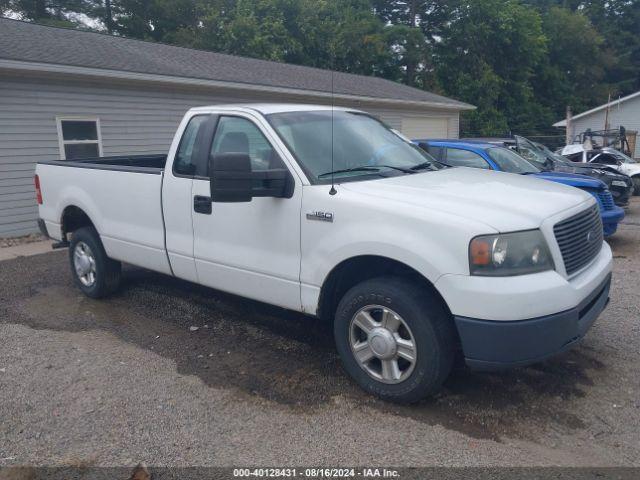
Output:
(230, 177)
(232, 180)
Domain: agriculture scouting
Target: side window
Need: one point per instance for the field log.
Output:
(465, 158)
(574, 157)
(605, 159)
(436, 152)
(239, 135)
(184, 163)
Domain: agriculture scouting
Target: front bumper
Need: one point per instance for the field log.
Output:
(610, 220)
(494, 345)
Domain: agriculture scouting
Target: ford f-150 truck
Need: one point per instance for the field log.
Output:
(329, 212)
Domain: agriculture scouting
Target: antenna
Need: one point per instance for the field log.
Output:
(333, 190)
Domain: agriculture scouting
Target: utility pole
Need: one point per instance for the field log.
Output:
(605, 139)
(568, 140)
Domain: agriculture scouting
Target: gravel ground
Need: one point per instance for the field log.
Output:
(123, 380)
(13, 241)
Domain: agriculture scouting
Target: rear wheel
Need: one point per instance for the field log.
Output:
(93, 271)
(395, 339)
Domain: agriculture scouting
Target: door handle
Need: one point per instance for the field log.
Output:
(202, 204)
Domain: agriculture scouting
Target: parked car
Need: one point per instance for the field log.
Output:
(330, 213)
(608, 156)
(620, 185)
(466, 153)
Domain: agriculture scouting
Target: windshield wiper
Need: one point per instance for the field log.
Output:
(352, 169)
(366, 168)
(422, 166)
(400, 169)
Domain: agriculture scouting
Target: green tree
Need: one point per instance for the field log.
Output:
(488, 56)
(340, 34)
(413, 27)
(619, 23)
(573, 71)
(50, 12)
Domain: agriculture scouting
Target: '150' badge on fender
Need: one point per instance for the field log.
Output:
(321, 216)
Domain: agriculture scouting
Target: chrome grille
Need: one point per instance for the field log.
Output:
(579, 238)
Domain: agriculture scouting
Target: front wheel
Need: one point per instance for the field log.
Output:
(395, 339)
(636, 184)
(93, 271)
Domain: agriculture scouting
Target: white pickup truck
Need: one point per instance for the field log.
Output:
(411, 261)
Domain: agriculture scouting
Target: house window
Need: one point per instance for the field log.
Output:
(79, 138)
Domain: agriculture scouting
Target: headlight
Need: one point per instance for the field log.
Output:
(509, 254)
(619, 183)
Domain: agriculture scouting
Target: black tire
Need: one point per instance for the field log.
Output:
(107, 271)
(636, 184)
(429, 322)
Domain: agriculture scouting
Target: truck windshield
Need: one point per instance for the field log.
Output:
(553, 156)
(510, 161)
(363, 147)
(621, 156)
(532, 153)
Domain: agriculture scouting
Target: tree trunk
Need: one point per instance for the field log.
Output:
(40, 9)
(411, 64)
(108, 19)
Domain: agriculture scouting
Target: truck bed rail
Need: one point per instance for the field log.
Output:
(152, 164)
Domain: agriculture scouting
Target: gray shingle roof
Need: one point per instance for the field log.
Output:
(30, 42)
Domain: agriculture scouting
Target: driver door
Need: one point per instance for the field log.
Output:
(248, 248)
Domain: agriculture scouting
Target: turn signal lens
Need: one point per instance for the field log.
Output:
(480, 252)
(36, 181)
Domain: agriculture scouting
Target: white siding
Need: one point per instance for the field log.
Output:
(133, 119)
(425, 127)
(626, 114)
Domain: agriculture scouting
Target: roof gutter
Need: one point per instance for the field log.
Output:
(51, 68)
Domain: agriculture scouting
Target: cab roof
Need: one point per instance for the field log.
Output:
(452, 142)
(269, 108)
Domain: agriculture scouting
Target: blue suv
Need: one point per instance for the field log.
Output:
(476, 154)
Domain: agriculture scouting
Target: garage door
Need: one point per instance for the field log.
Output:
(424, 127)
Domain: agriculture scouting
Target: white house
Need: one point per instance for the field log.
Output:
(69, 93)
(623, 112)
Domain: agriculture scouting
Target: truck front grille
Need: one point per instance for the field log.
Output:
(579, 238)
(603, 197)
(606, 199)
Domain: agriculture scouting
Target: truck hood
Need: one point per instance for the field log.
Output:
(591, 169)
(600, 166)
(632, 168)
(504, 201)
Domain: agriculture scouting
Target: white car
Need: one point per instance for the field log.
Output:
(606, 156)
(330, 213)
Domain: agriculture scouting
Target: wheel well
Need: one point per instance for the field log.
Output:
(354, 270)
(74, 218)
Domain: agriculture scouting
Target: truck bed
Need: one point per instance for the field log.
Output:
(153, 164)
(122, 196)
